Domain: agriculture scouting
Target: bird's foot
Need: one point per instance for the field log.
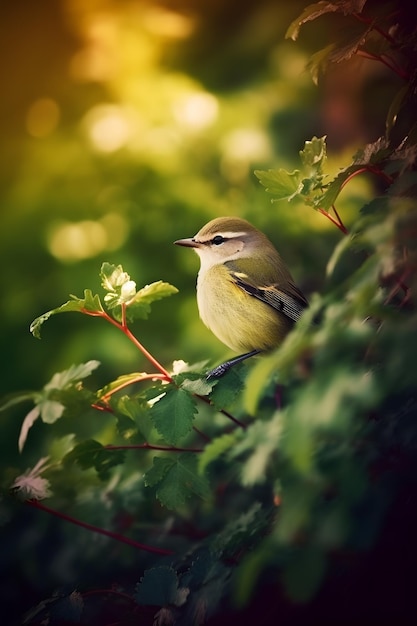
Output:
(221, 369)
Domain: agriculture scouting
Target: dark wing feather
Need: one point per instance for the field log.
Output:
(290, 304)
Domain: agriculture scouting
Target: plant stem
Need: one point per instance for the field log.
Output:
(222, 411)
(140, 378)
(374, 57)
(108, 533)
(126, 331)
(336, 222)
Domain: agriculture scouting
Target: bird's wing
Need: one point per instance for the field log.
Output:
(290, 302)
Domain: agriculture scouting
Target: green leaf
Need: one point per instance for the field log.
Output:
(313, 11)
(73, 374)
(120, 382)
(62, 391)
(51, 411)
(241, 530)
(139, 306)
(216, 448)
(277, 364)
(159, 586)
(18, 397)
(193, 381)
(319, 61)
(282, 184)
(259, 443)
(113, 276)
(306, 182)
(373, 153)
(314, 156)
(173, 414)
(28, 422)
(227, 389)
(132, 415)
(122, 291)
(176, 478)
(91, 454)
(89, 303)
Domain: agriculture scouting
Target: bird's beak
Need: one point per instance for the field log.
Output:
(188, 243)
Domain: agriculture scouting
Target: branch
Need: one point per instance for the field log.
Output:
(108, 533)
(382, 59)
(126, 331)
(336, 222)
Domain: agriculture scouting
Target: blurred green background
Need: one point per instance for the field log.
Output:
(128, 124)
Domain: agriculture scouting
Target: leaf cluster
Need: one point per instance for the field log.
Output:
(282, 467)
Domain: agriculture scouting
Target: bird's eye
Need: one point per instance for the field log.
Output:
(217, 240)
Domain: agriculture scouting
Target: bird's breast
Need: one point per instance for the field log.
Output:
(240, 321)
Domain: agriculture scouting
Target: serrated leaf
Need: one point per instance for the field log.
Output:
(159, 586)
(176, 478)
(62, 380)
(227, 389)
(50, 405)
(199, 386)
(91, 454)
(216, 448)
(244, 525)
(314, 156)
(89, 303)
(132, 415)
(261, 440)
(140, 305)
(113, 277)
(313, 11)
(282, 184)
(373, 153)
(173, 414)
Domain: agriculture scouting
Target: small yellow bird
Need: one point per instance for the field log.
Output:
(245, 293)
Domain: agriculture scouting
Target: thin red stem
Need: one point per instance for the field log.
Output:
(334, 221)
(374, 57)
(222, 411)
(147, 354)
(383, 33)
(132, 381)
(108, 533)
(125, 330)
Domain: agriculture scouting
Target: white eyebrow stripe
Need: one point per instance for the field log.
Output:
(226, 235)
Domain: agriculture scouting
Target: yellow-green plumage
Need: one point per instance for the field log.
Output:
(246, 295)
(247, 325)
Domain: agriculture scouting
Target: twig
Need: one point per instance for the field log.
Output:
(102, 531)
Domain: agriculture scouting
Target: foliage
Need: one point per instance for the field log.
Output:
(278, 469)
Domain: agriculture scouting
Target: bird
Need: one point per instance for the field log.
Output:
(245, 292)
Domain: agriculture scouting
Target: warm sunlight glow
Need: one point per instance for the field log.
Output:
(196, 111)
(75, 241)
(240, 148)
(108, 127)
(160, 21)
